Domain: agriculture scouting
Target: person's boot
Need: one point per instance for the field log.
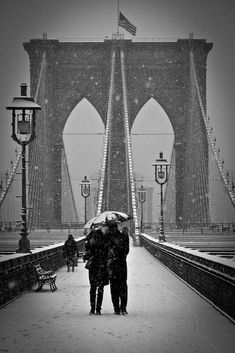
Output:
(116, 311)
(124, 312)
(68, 269)
(72, 268)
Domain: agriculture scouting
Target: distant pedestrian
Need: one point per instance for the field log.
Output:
(184, 228)
(117, 268)
(70, 252)
(96, 254)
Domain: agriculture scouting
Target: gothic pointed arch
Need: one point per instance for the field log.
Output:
(152, 132)
(83, 141)
(80, 70)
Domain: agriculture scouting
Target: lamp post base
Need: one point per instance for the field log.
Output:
(136, 241)
(24, 245)
(161, 237)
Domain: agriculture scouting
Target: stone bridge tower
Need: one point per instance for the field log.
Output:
(159, 70)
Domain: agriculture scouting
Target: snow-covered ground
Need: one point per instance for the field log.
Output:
(165, 316)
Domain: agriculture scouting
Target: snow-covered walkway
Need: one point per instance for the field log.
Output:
(165, 316)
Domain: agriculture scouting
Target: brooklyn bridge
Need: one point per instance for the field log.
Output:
(181, 261)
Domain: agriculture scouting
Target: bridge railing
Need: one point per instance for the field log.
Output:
(17, 273)
(212, 279)
(199, 227)
(13, 225)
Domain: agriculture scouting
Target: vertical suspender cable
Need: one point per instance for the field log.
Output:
(128, 143)
(18, 158)
(209, 133)
(35, 169)
(106, 139)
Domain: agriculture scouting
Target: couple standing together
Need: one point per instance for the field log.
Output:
(106, 250)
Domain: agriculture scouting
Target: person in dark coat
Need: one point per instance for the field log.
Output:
(70, 252)
(96, 254)
(117, 268)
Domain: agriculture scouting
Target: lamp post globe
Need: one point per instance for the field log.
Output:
(23, 110)
(85, 192)
(161, 177)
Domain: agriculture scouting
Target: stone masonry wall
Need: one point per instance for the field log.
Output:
(75, 71)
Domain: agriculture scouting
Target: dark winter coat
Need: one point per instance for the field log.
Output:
(96, 250)
(118, 251)
(70, 251)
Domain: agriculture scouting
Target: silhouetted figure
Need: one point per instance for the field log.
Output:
(70, 252)
(117, 268)
(96, 254)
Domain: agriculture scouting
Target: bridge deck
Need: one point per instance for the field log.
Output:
(220, 244)
(165, 315)
(38, 239)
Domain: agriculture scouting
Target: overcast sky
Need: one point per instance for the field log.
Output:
(213, 20)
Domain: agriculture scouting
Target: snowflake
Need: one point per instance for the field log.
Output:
(117, 97)
(12, 284)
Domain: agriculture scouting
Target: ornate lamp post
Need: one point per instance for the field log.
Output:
(142, 199)
(23, 132)
(85, 192)
(161, 177)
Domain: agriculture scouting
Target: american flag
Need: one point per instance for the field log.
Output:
(123, 22)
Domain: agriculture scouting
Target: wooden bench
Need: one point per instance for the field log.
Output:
(45, 277)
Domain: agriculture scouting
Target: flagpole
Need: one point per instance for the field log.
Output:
(117, 18)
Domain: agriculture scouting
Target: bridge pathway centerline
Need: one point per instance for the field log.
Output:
(165, 315)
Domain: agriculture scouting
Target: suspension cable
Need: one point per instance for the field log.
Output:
(106, 140)
(209, 132)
